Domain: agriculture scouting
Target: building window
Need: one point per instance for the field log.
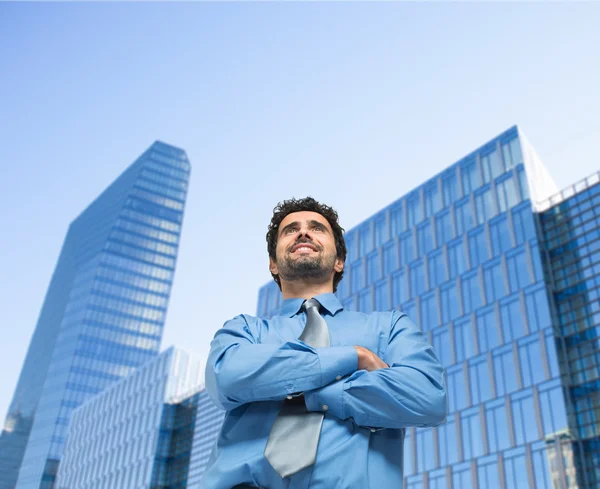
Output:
(417, 278)
(457, 262)
(532, 371)
(552, 405)
(410, 309)
(429, 312)
(471, 292)
(373, 268)
(450, 187)
(506, 193)
(437, 269)
(479, 380)
(504, 370)
(536, 304)
(406, 248)
(487, 329)
(357, 276)
(541, 469)
(551, 353)
(457, 395)
(484, 205)
(425, 238)
(464, 339)
(441, 345)
(461, 476)
(390, 258)
(382, 299)
(409, 466)
(492, 166)
(478, 250)
(398, 221)
(511, 318)
(447, 441)
(487, 472)
(518, 270)
(366, 239)
(523, 224)
(364, 301)
(399, 288)
(443, 228)
(437, 479)
(511, 151)
(433, 202)
(414, 209)
(471, 176)
(425, 454)
(493, 278)
(497, 425)
(515, 469)
(471, 433)
(523, 412)
(381, 230)
(500, 236)
(463, 212)
(351, 248)
(449, 302)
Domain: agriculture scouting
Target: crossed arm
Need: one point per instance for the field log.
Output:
(353, 382)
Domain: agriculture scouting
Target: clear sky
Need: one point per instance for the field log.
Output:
(352, 103)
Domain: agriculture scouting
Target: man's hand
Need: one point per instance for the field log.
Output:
(367, 360)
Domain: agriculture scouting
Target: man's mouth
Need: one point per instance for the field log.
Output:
(304, 248)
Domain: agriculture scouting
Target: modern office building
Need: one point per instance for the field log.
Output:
(147, 431)
(504, 282)
(104, 310)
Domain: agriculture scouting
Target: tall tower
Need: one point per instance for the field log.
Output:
(104, 310)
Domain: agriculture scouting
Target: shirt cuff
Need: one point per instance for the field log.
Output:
(328, 398)
(337, 362)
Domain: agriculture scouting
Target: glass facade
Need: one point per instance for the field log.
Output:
(104, 310)
(571, 228)
(137, 434)
(462, 256)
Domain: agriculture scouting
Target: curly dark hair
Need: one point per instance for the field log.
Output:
(282, 209)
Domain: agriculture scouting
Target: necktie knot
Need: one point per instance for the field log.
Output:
(310, 303)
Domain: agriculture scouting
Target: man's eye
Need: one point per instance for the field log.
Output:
(318, 228)
(289, 231)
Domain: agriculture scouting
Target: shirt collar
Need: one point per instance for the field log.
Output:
(328, 301)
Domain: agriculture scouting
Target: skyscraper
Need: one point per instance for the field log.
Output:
(104, 310)
(504, 283)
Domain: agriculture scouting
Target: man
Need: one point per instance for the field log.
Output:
(301, 416)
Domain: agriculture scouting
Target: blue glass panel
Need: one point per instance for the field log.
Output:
(425, 238)
(464, 216)
(410, 308)
(450, 306)
(511, 152)
(398, 221)
(414, 210)
(551, 353)
(523, 186)
(484, 205)
(515, 469)
(511, 318)
(417, 278)
(471, 292)
(437, 479)
(433, 201)
(500, 235)
(382, 299)
(366, 239)
(471, 433)
(518, 270)
(497, 425)
(523, 412)
(523, 224)
(493, 278)
(464, 339)
(437, 269)
(450, 187)
(457, 262)
(536, 304)
(478, 250)
(390, 258)
(382, 234)
(487, 473)
(399, 288)
(487, 329)
(357, 276)
(373, 267)
(441, 345)
(429, 312)
(471, 176)
(351, 246)
(541, 469)
(492, 165)
(504, 370)
(554, 417)
(443, 228)
(425, 454)
(448, 443)
(479, 380)
(364, 301)
(457, 395)
(506, 193)
(461, 476)
(407, 248)
(532, 371)
(409, 459)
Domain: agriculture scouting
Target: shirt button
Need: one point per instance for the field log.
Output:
(373, 430)
(325, 407)
(290, 397)
(338, 377)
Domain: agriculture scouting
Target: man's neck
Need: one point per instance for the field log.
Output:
(303, 290)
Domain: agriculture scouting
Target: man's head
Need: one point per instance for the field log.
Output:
(298, 222)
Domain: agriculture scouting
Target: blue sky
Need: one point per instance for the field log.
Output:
(352, 103)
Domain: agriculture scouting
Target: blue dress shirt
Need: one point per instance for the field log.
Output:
(255, 363)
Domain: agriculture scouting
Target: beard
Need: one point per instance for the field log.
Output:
(318, 267)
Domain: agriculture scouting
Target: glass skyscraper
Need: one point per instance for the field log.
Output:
(104, 310)
(506, 289)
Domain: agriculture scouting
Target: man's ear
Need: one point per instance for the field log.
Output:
(339, 265)
(273, 267)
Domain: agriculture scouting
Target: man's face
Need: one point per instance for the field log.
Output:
(305, 248)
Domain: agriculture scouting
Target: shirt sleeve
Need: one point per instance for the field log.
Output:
(240, 369)
(411, 392)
